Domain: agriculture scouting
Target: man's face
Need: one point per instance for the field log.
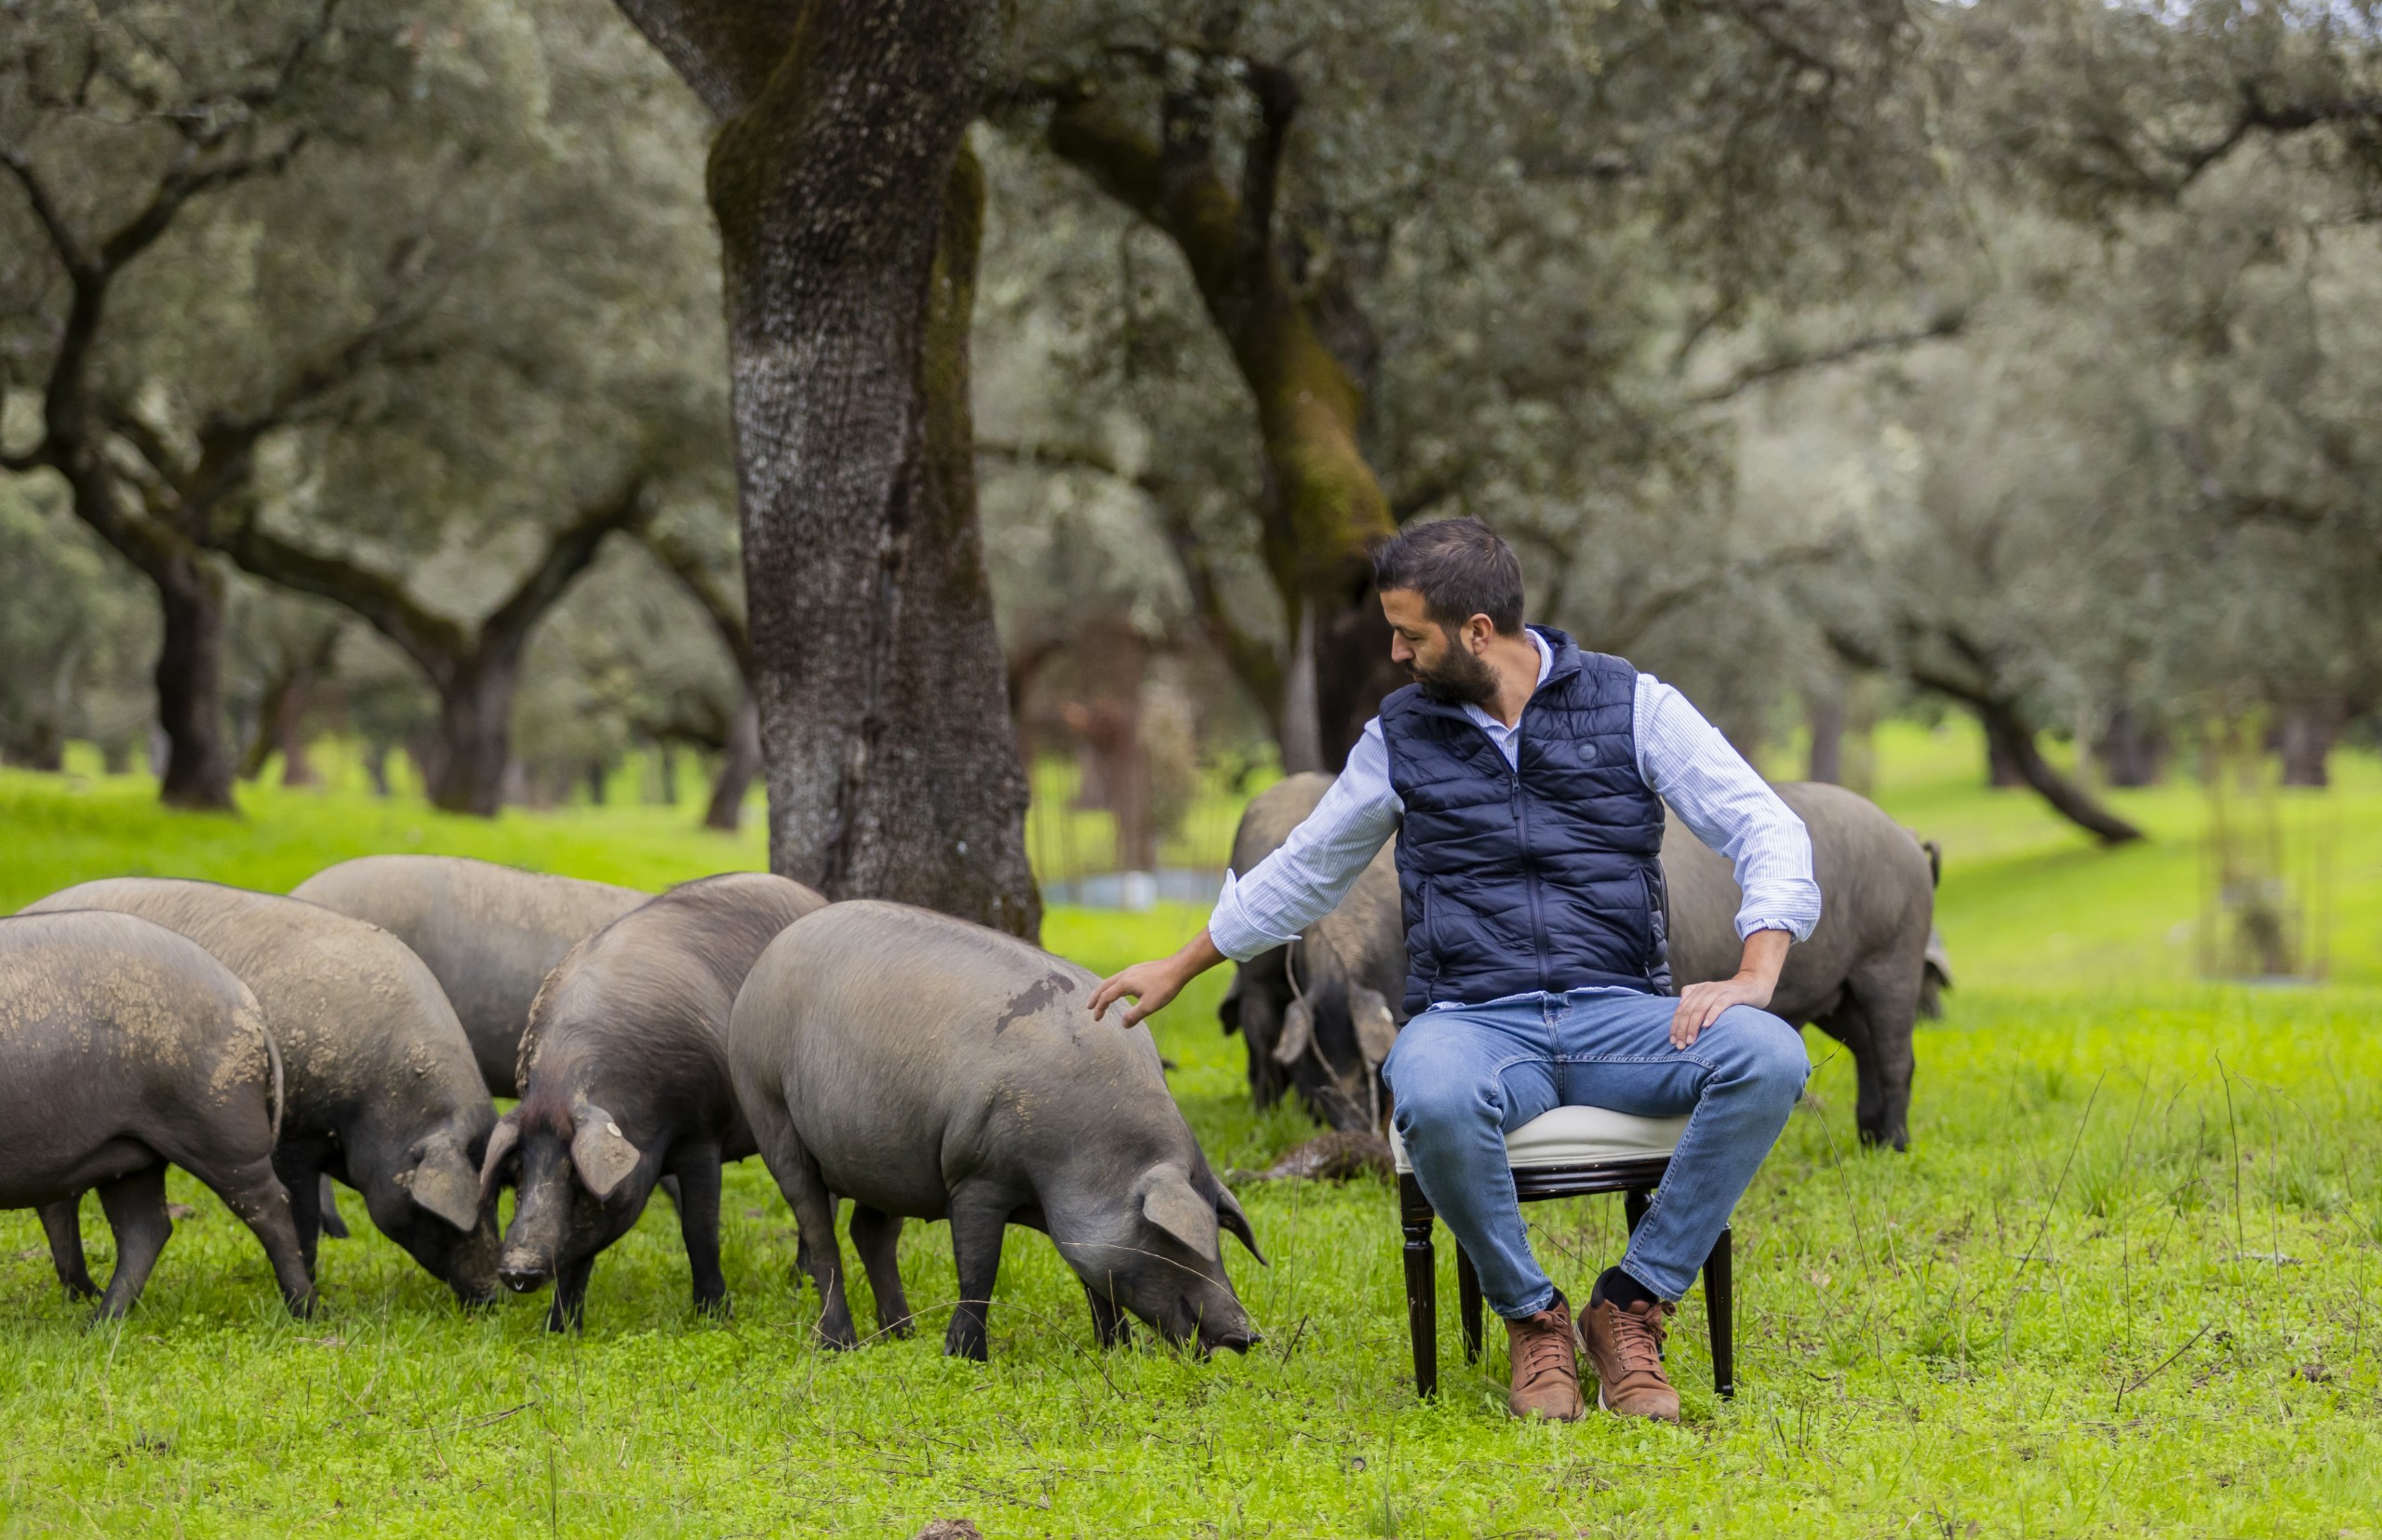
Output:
(1444, 661)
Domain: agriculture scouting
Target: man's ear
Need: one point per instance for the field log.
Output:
(600, 1151)
(500, 1145)
(445, 1184)
(1172, 1206)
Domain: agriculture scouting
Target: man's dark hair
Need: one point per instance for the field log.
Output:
(1460, 568)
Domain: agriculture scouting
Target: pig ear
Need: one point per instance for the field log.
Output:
(1298, 1032)
(1174, 1208)
(445, 1184)
(500, 1144)
(1376, 1029)
(601, 1152)
(1228, 1215)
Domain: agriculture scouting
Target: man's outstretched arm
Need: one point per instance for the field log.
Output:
(1268, 905)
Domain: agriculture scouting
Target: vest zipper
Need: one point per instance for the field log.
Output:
(1540, 941)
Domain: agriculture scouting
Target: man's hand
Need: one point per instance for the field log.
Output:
(1152, 984)
(1701, 1004)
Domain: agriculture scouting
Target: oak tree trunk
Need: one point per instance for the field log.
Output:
(2305, 727)
(1827, 716)
(740, 761)
(1303, 357)
(849, 219)
(190, 683)
(475, 740)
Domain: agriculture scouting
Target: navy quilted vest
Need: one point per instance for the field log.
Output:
(1542, 878)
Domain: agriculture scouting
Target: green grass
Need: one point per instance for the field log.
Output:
(2123, 1283)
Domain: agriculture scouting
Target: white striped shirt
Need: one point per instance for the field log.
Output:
(1683, 758)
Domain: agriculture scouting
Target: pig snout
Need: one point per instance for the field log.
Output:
(523, 1271)
(476, 1264)
(543, 1214)
(1227, 1327)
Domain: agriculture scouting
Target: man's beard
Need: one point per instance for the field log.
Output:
(1461, 678)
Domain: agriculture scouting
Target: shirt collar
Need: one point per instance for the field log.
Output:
(1488, 718)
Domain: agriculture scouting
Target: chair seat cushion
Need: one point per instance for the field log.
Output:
(1578, 1137)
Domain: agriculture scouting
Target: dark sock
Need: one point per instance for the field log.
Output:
(1621, 1288)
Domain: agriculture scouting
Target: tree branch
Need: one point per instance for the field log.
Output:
(1949, 324)
(2005, 724)
(436, 643)
(63, 239)
(567, 555)
(723, 49)
(694, 575)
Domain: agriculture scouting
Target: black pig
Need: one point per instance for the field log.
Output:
(623, 1081)
(925, 1067)
(489, 933)
(125, 1048)
(383, 1092)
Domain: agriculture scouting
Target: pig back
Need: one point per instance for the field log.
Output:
(489, 933)
(361, 1023)
(1272, 814)
(109, 1026)
(1876, 889)
(911, 1050)
(646, 997)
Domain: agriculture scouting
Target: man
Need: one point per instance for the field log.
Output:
(1525, 778)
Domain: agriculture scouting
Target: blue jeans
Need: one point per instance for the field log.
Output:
(1463, 1077)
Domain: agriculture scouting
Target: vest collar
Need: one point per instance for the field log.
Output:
(1566, 666)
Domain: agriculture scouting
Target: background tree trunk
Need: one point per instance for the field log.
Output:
(1324, 507)
(475, 735)
(190, 684)
(2305, 727)
(2132, 748)
(850, 217)
(1827, 716)
(740, 760)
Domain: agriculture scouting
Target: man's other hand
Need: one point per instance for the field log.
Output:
(1152, 984)
(1756, 978)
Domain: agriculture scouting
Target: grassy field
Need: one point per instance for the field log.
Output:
(2121, 1284)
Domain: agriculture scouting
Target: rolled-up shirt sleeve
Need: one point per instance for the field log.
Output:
(1725, 803)
(1270, 905)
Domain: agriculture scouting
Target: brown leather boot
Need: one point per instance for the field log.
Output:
(1625, 1347)
(1547, 1377)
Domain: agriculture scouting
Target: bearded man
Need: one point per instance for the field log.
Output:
(1525, 779)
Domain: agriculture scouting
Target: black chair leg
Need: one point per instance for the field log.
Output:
(1467, 1289)
(1633, 1207)
(1421, 1285)
(1720, 1306)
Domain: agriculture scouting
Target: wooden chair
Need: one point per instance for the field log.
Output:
(1569, 1153)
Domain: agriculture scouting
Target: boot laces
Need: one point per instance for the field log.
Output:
(1638, 1337)
(1546, 1351)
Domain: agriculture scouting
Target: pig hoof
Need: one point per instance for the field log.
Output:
(715, 1306)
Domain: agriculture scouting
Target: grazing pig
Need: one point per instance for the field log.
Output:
(1871, 967)
(489, 933)
(1865, 974)
(926, 1067)
(1321, 1014)
(625, 1079)
(383, 1093)
(125, 1048)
